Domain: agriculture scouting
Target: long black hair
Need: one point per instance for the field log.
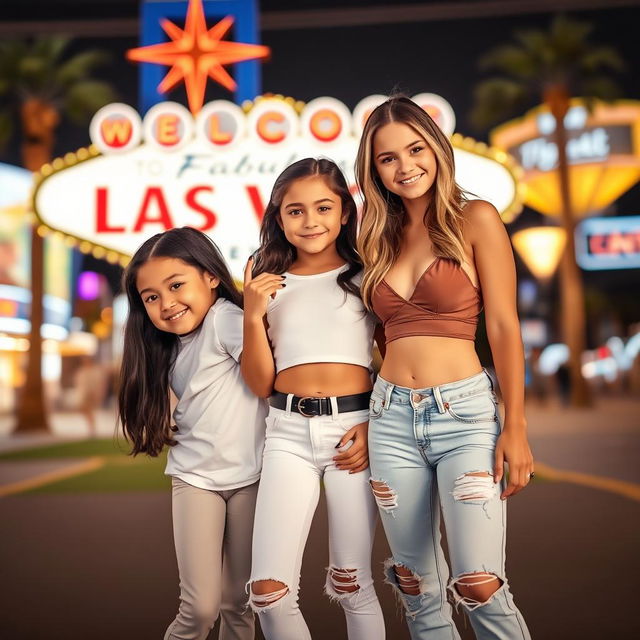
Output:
(276, 253)
(149, 354)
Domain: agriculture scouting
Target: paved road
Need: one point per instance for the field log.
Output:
(101, 566)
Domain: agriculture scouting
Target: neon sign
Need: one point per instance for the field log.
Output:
(603, 152)
(608, 243)
(215, 171)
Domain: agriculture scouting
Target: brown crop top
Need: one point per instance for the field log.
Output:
(444, 303)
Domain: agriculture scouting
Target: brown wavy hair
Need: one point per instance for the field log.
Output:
(149, 354)
(276, 254)
(383, 213)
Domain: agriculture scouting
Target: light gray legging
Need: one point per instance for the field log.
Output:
(212, 532)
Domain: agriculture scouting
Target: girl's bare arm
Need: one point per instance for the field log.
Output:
(257, 365)
(493, 258)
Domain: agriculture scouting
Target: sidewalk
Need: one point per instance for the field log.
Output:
(608, 414)
(603, 440)
(65, 426)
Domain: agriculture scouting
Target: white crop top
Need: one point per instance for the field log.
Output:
(313, 320)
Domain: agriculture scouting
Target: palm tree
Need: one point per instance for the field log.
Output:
(39, 87)
(551, 66)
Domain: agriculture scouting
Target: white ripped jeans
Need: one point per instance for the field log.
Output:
(299, 454)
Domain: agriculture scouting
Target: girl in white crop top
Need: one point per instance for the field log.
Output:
(308, 342)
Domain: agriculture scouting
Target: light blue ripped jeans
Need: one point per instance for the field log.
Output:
(431, 450)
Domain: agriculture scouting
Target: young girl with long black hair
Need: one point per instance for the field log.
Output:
(308, 342)
(184, 333)
(431, 260)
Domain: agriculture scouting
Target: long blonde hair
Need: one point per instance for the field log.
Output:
(383, 214)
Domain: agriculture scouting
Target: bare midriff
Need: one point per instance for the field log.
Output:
(321, 379)
(418, 362)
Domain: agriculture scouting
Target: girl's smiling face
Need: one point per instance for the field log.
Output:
(311, 215)
(176, 295)
(404, 161)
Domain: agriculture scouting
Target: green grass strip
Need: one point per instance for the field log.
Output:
(117, 475)
(121, 472)
(75, 449)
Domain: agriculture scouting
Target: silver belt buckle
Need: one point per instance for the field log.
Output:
(301, 410)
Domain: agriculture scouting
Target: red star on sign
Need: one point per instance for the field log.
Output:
(196, 53)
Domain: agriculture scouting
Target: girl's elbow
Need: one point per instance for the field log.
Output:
(504, 329)
(259, 387)
(501, 318)
(264, 392)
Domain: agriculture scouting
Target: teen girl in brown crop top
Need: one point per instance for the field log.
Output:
(432, 260)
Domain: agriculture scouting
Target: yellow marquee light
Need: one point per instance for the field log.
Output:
(603, 148)
(592, 188)
(501, 156)
(540, 248)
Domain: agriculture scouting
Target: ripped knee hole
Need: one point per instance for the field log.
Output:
(408, 582)
(477, 587)
(344, 580)
(266, 592)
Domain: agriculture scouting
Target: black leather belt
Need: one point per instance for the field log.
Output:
(308, 406)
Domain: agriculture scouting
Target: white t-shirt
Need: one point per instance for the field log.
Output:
(220, 422)
(313, 320)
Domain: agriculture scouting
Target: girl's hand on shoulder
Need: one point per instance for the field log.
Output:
(512, 447)
(258, 290)
(356, 457)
